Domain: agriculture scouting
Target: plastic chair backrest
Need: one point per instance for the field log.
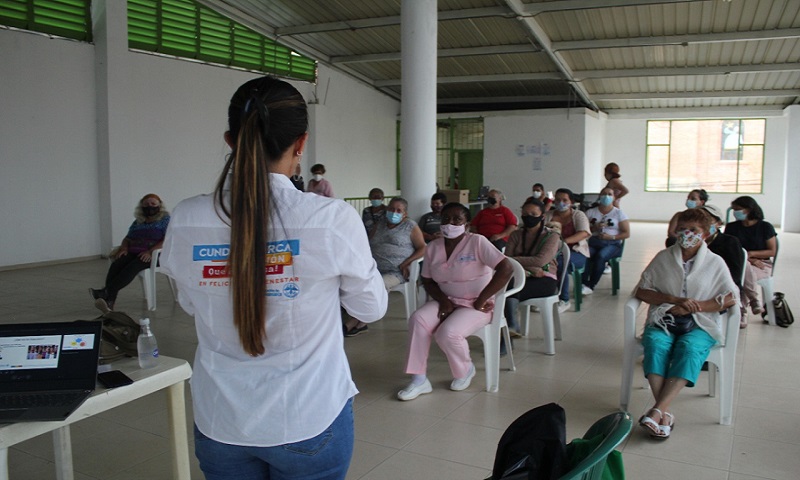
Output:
(505, 292)
(775, 257)
(614, 428)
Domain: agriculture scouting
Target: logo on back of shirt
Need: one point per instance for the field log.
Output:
(279, 255)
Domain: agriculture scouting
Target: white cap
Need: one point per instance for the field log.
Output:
(144, 321)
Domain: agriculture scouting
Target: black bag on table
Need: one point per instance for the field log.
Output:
(118, 340)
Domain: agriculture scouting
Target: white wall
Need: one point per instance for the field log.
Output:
(791, 198)
(49, 184)
(563, 131)
(175, 115)
(625, 145)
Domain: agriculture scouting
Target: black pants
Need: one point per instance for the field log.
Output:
(122, 272)
(535, 287)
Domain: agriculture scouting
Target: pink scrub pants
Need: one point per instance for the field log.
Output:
(451, 336)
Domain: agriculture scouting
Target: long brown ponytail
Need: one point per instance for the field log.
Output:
(266, 116)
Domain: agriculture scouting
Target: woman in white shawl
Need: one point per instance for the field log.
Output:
(686, 286)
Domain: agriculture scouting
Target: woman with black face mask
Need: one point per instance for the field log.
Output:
(145, 235)
(535, 247)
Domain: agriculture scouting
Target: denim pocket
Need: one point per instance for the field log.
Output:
(312, 446)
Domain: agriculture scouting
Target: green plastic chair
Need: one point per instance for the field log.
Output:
(615, 276)
(614, 428)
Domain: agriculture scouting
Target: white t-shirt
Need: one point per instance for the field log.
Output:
(610, 220)
(318, 255)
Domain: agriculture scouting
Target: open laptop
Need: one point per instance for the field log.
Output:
(47, 370)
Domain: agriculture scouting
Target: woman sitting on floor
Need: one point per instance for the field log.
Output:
(686, 286)
(461, 273)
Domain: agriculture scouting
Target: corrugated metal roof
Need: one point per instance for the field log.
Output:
(651, 55)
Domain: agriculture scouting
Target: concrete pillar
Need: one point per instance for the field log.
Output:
(418, 105)
(110, 34)
(791, 191)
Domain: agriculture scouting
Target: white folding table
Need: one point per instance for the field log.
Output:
(169, 374)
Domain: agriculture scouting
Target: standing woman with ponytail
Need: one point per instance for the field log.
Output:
(263, 268)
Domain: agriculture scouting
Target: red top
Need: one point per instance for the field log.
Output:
(491, 221)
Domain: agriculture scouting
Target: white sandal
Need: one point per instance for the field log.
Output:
(665, 430)
(649, 424)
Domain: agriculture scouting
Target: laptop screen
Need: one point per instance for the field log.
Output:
(58, 355)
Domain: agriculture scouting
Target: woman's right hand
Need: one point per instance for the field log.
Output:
(122, 252)
(446, 307)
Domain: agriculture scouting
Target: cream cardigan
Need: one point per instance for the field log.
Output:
(709, 278)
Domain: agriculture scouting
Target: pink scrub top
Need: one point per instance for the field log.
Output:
(464, 275)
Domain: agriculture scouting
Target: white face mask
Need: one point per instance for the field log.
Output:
(452, 231)
(317, 177)
(689, 239)
(537, 194)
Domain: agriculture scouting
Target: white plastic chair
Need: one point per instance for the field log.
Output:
(768, 287)
(548, 306)
(490, 334)
(722, 355)
(409, 288)
(148, 277)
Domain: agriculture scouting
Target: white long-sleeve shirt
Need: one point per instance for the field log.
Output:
(317, 257)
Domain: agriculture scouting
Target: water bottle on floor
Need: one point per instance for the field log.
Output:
(147, 346)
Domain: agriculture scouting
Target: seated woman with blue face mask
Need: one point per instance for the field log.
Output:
(395, 241)
(376, 209)
(609, 226)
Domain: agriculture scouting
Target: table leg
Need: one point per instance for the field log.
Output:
(62, 446)
(3, 464)
(177, 422)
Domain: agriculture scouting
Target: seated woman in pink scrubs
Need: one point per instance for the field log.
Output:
(461, 272)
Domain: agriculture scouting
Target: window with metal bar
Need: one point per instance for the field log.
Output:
(63, 18)
(184, 28)
(723, 155)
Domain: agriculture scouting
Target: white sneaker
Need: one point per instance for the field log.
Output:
(586, 290)
(563, 306)
(607, 270)
(413, 391)
(459, 384)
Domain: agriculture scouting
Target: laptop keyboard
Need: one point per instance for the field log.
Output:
(16, 401)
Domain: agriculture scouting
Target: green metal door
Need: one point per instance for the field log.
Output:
(470, 171)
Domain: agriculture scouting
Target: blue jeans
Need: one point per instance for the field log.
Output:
(576, 260)
(324, 457)
(673, 356)
(600, 251)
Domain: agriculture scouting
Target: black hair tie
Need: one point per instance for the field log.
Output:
(261, 109)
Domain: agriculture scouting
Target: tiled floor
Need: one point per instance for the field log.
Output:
(450, 435)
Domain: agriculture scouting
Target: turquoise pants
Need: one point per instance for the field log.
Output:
(671, 356)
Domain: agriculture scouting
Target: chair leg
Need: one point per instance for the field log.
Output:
(726, 371)
(712, 380)
(628, 365)
(509, 350)
(524, 315)
(149, 291)
(577, 284)
(767, 292)
(547, 330)
(614, 277)
(491, 354)
(556, 321)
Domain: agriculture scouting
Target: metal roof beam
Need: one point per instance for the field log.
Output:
(778, 34)
(691, 95)
(392, 20)
(529, 99)
(503, 77)
(561, 5)
(442, 53)
(681, 71)
(541, 37)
